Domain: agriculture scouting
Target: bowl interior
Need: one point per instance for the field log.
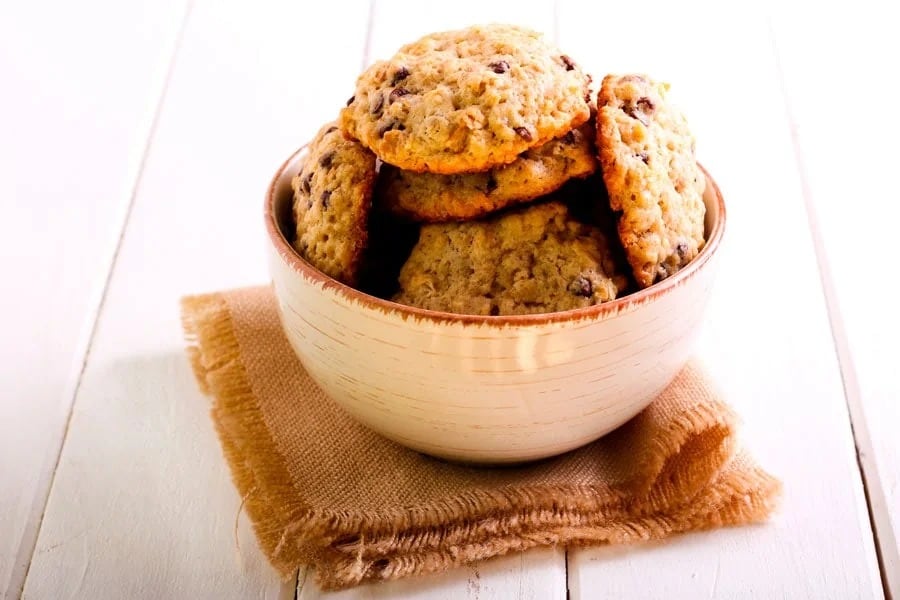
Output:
(279, 211)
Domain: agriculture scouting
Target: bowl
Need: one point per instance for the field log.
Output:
(487, 389)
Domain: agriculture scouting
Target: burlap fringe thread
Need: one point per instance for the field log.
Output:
(351, 548)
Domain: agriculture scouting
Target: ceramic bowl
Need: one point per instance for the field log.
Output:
(487, 389)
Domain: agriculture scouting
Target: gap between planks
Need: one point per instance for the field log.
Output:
(28, 544)
(879, 522)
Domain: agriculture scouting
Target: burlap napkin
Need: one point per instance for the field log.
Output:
(321, 489)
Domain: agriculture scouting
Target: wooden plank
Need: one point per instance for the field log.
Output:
(847, 159)
(81, 83)
(540, 574)
(142, 503)
(766, 340)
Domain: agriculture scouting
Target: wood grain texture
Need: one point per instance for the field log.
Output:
(70, 150)
(847, 164)
(766, 340)
(142, 504)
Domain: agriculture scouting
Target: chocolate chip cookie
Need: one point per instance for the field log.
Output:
(466, 100)
(534, 259)
(430, 197)
(332, 199)
(647, 158)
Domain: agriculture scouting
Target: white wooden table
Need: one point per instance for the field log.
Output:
(135, 143)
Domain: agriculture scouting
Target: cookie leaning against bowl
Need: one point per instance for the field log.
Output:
(466, 100)
(332, 199)
(647, 159)
(535, 259)
(537, 172)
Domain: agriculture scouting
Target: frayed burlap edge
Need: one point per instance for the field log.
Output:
(746, 496)
(292, 533)
(257, 469)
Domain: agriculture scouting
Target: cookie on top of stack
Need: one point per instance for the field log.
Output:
(487, 142)
(466, 101)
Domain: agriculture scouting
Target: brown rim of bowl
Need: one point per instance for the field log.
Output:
(601, 311)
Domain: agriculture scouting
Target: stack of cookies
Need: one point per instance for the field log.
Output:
(473, 173)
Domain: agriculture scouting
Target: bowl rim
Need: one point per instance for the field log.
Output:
(596, 312)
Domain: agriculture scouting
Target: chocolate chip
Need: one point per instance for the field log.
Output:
(326, 159)
(398, 92)
(491, 183)
(523, 133)
(326, 196)
(389, 126)
(495, 310)
(306, 182)
(681, 249)
(401, 74)
(568, 62)
(581, 286)
(644, 157)
(645, 104)
(330, 129)
(376, 105)
(499, 67)
(569, 138)
(350, 101)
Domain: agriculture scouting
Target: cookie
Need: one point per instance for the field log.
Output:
(534, 259)
(647, 159)
(466, 100)
(537, 172)
(332, 200)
